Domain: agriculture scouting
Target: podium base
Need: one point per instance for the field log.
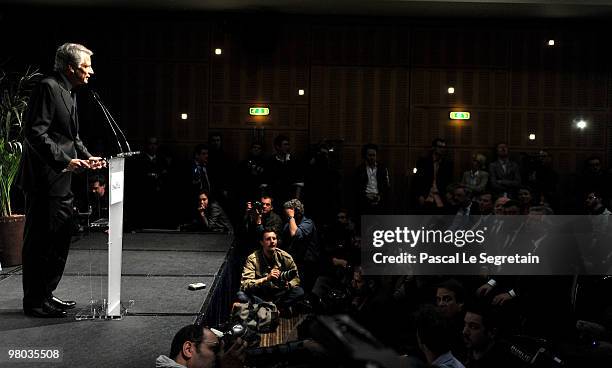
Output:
(99, 310)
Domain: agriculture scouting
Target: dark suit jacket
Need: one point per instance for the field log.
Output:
(507, 181)
(51, 139)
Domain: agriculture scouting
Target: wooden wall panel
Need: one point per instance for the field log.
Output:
(557, 130)
(359, 104)
(484, 88)
(460, 47)
(360, 45)
(161, 92)
(236, 116)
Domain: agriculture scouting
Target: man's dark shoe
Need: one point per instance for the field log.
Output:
(47, 310)
(62, 304)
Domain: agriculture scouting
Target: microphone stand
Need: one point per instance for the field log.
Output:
(114, 128)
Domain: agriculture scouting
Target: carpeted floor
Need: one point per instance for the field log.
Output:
(156, 268)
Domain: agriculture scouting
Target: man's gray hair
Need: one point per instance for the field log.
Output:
(296, 205)
(69, 54)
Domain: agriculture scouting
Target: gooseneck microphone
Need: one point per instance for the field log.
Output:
(114, 127)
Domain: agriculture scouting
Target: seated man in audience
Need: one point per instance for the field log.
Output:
(195, 346)
(433, 336)
(270, 274)
(98, 199)
(210, 216)
(480, 334)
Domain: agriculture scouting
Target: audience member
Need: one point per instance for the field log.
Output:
(98, 199)
(476, 179)
(594, 179)
(300, 239)
(504, 173)
(258, 218)
(372, 182)
(150, 187)
(525, 200)
(284, 175)
(195, 346)
(485, 203)
(540, 176)
(210, 216)
(323, 182)
(480, 334)
(434, 174)
(251, 174)
(270, 274)
(433, 336)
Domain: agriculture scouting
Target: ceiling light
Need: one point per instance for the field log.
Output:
(581, 124)
(414, 171)
(451, 90)
(218, 51)
(532, 137)
(184, 116)
(301, 92)
(551, 42)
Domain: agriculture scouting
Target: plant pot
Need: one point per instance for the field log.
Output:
(11, 239)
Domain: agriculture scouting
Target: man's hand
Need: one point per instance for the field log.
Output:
(290, 212)
(484, 290)
(273, 275)
(339, 262)
(234, 356)
(78, 165)
(96, 163)
(501, 299)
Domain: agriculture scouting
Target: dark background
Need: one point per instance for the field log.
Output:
(367, 79)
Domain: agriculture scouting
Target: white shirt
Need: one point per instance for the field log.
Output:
(372, 186)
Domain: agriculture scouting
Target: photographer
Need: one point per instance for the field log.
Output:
(260, 216)
(271, 274)
(195, 346)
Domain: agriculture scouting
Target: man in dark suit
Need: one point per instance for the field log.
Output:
(372, 183)
(52, 151)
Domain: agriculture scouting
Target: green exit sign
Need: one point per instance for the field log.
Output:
(460, 115)
(259, 111)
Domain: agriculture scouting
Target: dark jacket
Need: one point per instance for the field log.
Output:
(51, 139)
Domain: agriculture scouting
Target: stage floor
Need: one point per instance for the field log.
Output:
(156, 269)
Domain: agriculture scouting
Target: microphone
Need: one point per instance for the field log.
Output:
(113, 125)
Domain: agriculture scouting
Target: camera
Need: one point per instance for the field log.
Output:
(256, 208)
(234, 332)
(287, 275)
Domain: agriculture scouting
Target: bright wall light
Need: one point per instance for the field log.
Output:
(414, 171)
(551, 42)
(451, 90)
(218, 51)
(581, 124)
(301, 92)
(184, 116)
(532, 137)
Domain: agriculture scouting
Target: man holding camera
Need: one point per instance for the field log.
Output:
(195, 346)
(260, 216)
(271, 274)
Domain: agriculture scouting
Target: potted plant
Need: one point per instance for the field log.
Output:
(14, 95)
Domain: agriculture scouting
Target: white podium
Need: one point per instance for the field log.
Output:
(109, 306)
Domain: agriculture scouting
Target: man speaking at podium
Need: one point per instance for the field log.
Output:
(52, 150)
